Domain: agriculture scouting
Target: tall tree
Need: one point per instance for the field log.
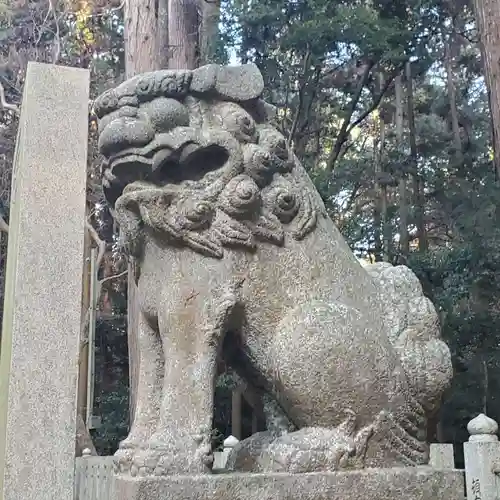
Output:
(418, 189)
(488, 24)
(146, 36)
(209, 30)
(452, 97)
(404, 239)
(184, 34)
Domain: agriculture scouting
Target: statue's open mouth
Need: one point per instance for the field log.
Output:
(162, 162)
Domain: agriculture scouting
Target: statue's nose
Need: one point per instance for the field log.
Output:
(123, 133)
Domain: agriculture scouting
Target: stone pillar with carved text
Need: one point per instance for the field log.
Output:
(482, 459)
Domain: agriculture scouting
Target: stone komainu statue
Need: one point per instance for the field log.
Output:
(237, 256)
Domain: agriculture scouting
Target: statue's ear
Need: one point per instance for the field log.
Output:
(130, 228)
(112, 191)
(229, 83)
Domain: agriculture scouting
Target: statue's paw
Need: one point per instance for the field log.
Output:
(308, 450)
(182, 463)
(160, 459)
(245, 456)
(145, 461)
(122, 459)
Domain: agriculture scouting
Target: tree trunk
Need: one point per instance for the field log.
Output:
(184, 34)
(452, 98)
(209, 30)
(418, 185)
(404, 240)
(485, 387)
(386, 228)
(146, 36)
(488, 24)
(377, 208)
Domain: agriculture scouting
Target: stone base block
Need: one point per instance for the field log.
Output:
(419, 483)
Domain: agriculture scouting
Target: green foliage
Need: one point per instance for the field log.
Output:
(111, 387)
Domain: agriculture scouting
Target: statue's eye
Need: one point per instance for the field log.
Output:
(286, 201)
(285, 204)
(106, 103)
(246, 123)
(145, 86)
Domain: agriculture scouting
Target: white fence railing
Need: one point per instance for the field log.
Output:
(93, 478)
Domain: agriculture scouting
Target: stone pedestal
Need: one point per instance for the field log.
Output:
(422, 483)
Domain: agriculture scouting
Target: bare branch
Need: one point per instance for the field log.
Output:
(298, 111)
(347, 126)
(115, 276)
(40, 31)
(4, 104)
(57, 39)
(107, 12)
(101, 245)
(344, 129)
(375, 102)
(101, 282)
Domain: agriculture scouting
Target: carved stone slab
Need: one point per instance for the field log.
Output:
(419, 483)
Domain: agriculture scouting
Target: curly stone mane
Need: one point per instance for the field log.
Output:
(207, 174)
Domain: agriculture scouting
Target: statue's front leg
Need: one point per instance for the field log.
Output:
(192, 332)
(149, 394)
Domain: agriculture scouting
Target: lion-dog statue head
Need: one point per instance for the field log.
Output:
(211, 170)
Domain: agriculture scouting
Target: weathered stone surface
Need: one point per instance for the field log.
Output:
(413, 327)
(482, 459)
(310, 449)
(442, 456)
(41, 324)
(237, 254)
(376, 484)
(483, 428)
(234, 83)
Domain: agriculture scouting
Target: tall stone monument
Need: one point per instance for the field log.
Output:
(237, 256)
(40, 336)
